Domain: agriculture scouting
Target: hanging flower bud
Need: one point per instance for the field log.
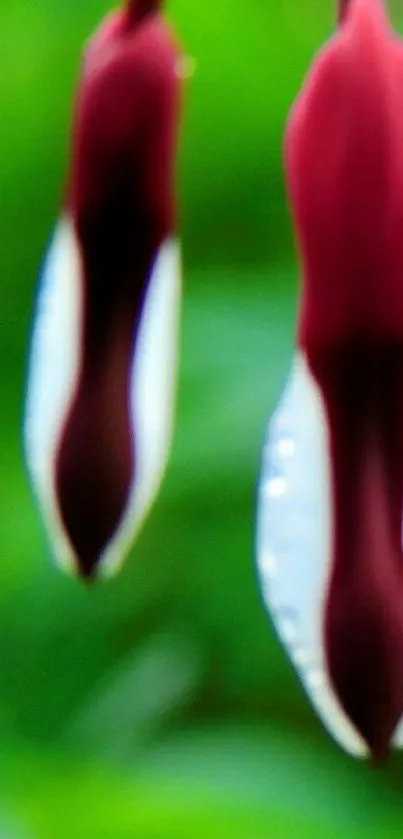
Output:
(330, 520)
(102, 374)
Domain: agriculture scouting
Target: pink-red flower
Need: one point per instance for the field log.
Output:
(102, 376)
(344, 404)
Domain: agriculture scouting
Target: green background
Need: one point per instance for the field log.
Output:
(160, 705)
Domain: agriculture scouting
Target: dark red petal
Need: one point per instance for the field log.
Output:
(345, 166)
(362, 387)
(122, 206)
(95, 465)
(345, 163)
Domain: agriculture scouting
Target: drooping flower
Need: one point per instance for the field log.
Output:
(331, 499)
(101, 387)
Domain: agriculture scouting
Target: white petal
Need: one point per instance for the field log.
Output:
(294, 541)
(153, 391)
(53, 372)
(52, 375)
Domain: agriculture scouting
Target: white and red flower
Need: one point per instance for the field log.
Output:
(331, 502)
(101, 389)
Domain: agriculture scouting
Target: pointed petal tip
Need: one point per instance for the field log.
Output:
(72, 565)
(88, 574)
(369, 695)
(102, 568)
(380, 753)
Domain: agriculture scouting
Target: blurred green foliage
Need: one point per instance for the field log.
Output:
(160, 705)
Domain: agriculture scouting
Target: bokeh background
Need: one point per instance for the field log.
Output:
(160, 705)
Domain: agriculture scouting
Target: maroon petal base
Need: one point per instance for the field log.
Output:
(362, 387)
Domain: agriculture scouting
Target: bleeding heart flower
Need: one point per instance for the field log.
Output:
(102, 375)
(331, 498)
